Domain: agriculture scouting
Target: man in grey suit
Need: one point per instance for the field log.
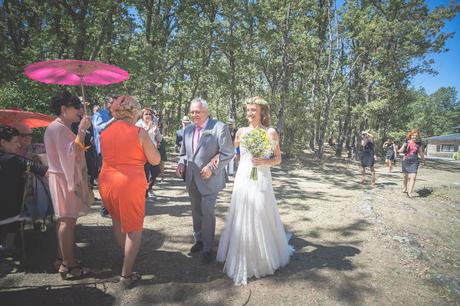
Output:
(204, 140)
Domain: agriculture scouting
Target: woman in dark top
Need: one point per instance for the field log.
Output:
(390, 153)
(412, 149)
(12, 182)
(367, 158)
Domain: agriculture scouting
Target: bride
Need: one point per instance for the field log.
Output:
(253, 241)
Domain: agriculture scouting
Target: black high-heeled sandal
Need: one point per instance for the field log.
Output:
(58, 262)
(128, 281)
(76, 272)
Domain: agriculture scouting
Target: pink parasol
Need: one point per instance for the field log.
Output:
(13, 117)
(76, 72)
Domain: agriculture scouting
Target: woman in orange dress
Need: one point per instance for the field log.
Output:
(125, 149)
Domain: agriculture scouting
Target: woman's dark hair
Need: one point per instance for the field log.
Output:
(64, 99)
(7, 133)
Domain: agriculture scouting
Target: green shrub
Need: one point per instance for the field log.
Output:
(456, 156)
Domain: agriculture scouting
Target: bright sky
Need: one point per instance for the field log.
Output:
(447, 64)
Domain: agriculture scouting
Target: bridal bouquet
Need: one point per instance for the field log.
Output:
(258, 145)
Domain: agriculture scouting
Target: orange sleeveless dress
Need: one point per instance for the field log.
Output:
(122, 182)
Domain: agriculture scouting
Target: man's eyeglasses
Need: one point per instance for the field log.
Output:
(25, 134)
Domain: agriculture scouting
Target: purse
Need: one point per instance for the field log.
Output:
(37, 203)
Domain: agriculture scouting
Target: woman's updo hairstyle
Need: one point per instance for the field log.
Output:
(126, 107)
(64, 99)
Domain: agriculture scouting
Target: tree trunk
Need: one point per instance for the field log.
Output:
(345, 128)
(285, 74)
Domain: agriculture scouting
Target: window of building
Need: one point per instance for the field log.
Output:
(447, 148)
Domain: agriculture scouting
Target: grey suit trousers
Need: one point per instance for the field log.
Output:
(203, 215)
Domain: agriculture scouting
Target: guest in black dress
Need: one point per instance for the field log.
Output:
(390, 153)
(413, 153)
(90, 153)
(12, 182)
(368, 157)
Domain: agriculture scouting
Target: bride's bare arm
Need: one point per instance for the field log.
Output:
(237, 140)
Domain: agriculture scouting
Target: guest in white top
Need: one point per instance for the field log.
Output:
(149, 122)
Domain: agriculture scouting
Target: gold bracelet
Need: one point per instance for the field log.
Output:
(82, 146)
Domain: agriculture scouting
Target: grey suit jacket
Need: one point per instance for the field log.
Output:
(215, 138)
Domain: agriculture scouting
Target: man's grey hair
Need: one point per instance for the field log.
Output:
(203, 102)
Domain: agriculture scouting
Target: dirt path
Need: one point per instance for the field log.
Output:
(354, 246)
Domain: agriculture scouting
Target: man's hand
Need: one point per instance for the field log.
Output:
(180, 170)
(205, 173)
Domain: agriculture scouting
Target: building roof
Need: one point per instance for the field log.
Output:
(450, 137)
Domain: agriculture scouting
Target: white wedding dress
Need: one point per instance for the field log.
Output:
(253, 241)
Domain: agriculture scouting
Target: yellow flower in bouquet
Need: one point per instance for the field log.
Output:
(257, 143)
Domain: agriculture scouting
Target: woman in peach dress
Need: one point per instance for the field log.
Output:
(125, 148)
(67, 177)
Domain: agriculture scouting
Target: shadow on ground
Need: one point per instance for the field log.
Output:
(57, 297)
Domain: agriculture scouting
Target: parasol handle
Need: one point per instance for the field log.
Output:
(83, 96)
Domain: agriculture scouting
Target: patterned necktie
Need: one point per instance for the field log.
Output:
(196, 137)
